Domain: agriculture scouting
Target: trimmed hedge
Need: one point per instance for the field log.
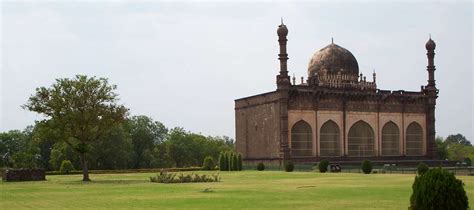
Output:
(148, 170)
(438, 189)
(367, 167)
(289, 166)
(66, 167)
(260, 166)
(323, 166)
(208, 163)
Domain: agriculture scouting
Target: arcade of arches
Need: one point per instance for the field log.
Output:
(361, 141)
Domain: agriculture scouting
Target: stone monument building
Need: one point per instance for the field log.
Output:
(336, 114)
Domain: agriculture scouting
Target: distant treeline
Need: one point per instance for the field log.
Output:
(139, 142)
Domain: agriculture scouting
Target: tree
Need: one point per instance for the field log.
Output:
(80, 111)
(458, 139)
(179, 147)
(459, 151)
(145, 134)
(442, 148)
(112, 151)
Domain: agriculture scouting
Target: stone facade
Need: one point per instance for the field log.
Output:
(266, 124)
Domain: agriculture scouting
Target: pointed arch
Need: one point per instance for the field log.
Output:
(361, 140)
(301, 139)
(390, 139)
(329, 139)
(414, 139)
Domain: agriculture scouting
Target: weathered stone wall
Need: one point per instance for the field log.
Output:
(257, 126)
(11, 175)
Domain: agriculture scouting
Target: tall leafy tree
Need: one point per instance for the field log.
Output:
(442, 148)
(145, 134)
(80, 111)
(458, 139)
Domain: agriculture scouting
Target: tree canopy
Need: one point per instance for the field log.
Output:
(79, 110)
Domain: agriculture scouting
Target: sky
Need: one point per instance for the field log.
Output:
(184, 63)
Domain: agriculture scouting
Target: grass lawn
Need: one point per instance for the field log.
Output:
(245, 189)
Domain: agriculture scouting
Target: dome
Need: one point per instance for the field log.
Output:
(333, 59)
(430, 45)
(282, 30)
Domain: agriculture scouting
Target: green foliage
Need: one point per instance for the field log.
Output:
(230, 156)
(367, 167)
(145, 134)
(208, 163)
(235, 162)
(289, 166)
(323, 166)
(222, 162)
(438, 189)
(166, 177)
(260, 166)
(468, 161)
(66, 167)
(457, 139)
(239, 160)
(80, 110)
(24, 160)
(422, 168)
(442, 148)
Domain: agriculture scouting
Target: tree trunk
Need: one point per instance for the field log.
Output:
(85, 171)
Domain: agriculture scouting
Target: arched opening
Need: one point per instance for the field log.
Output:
(414, 139)
(301, 140)
(361, 140)
(390, 139)
(329, 139)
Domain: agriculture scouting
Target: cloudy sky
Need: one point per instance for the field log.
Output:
(184, 63)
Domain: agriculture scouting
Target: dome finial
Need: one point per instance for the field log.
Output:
(332, 40)
(282, 20)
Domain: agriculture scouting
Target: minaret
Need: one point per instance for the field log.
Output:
(282, 32)
(430, 47)
(432, 93)
(283, 87)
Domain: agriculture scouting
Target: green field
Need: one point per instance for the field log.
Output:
(245, 189)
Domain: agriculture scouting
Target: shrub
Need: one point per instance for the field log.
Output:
(66, 167)
(230, 157)
(221, 161)
(422, 168)
(323, 166)
(289, 166)
(438, 189)
(239, 159)
(260, 166)
(208, 163)
(165, 177)
(468, 161)
(235, 162)
(367, 167)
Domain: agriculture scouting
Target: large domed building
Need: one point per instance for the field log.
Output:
(336, 113)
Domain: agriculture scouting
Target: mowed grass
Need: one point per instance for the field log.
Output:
(245, 189)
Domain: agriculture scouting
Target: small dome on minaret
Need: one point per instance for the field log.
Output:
(430, 44)
(282, 30)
